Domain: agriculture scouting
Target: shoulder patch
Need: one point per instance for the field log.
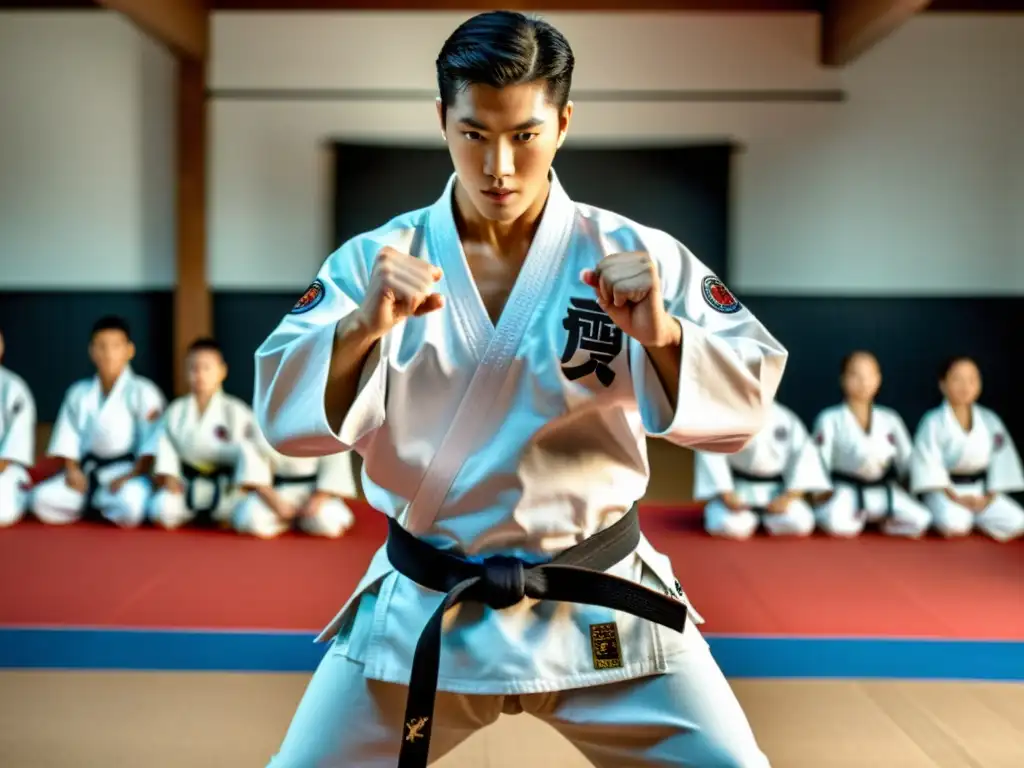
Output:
(819, 439)
(18, 405)
(221, 433)
(999, 440)
(718, 296)
(781, 433)
(153, 415)
(891, 438)
(310, 299)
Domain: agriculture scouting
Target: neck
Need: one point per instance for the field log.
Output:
(961, 409)
(503, 236)
(860, 407)
(107, 382)
(202, 399)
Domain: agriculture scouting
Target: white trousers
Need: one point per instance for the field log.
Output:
(796, 520)
(1002, 519)
(56, 504)
(688, 716)
(839, 516)
(12, 497)
(252, 516)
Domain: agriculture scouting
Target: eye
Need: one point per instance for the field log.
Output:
(524, 137)
(472, 135)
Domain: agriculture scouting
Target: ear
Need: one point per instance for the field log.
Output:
(563, 124)
(440, 117)
(131, 350)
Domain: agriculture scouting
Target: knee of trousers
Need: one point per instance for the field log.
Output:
(334, 519)
(254, 518)
(167, 510)
(955, 521)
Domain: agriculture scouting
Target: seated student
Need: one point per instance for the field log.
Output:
(283, 491)
(866, 451)
(102, 424)
(197, 445)
(965, 461)
(17, 442)
(764, 483)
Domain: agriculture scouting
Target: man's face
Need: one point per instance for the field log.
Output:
(110, 352)
(962, 385)
(504, 139)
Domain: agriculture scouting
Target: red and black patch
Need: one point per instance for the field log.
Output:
(819, 439)
(221, 432)
(153, 415)
(718, 296)
(250, 432)
(891, 438)
(998, 440)
(310, 299)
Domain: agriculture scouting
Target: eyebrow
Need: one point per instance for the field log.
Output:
(533, 122)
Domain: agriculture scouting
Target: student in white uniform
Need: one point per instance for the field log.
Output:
(198, 446)
(101, 427)
(17, 442)
(866, 450)
(283, 492)
(765, 483)
(965, 461)
(499, 359)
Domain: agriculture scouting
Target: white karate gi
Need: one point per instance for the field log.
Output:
(104, 435)
(521, 439)
(780, 458)
(295, 479)
(984, 460)
(17, 444)
(203, 451)
(875, 459)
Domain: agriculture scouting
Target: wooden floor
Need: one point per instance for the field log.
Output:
(175, 720)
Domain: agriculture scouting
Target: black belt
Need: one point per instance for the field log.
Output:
(216, 476)
(739, 474)
(294, 479)
(961, 478)
(860, 485)
(91, 465)
(574, 576)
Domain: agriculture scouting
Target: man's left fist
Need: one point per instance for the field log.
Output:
(628, 289)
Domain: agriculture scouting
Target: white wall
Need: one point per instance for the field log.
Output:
(86, 154)
(904, 189)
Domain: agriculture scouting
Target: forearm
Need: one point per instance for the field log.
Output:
(666, 360)
(352, 345)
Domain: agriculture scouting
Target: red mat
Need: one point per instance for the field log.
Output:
(90, 575)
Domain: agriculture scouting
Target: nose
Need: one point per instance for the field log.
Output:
(500, 162)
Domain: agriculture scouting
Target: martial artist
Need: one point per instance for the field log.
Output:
(499, 360)
(866, 450)
(17, 442)
(198, 446)
(965, 461)
(285, 492)
(765, 483)
(101, 427)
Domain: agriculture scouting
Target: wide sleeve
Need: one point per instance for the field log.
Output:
(824, 440)
(928, 470)
(335, 476)
(66, 439)
(730, 365)
(904, 444)
(711, 475)
(18, 443)
(1005, 474)
(151, 406)
(804, 471)
(292, 365)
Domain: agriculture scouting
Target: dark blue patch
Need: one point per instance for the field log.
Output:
(718, 296)
(310, 299)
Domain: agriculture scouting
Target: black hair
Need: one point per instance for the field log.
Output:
(503, 48)
(848, 358)
(111, 323)
(207, 344)
(949, 362)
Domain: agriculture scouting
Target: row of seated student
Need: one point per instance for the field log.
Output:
(859, 466)
(129, 457)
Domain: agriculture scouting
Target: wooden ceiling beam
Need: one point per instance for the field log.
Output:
(849, 28)
(181, 25)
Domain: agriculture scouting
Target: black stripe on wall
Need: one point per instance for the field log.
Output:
(47, 338)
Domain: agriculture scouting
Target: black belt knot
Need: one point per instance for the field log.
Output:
(505, 581)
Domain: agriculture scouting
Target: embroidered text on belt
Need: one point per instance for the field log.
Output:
(574, 576)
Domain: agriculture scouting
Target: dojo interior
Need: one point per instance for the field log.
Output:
(854, 171)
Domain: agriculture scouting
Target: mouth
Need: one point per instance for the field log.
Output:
(499, 195)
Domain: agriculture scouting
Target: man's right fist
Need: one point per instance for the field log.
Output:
(400, 286)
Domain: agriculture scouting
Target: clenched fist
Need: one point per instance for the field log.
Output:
(628, 289)
(401, 286)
